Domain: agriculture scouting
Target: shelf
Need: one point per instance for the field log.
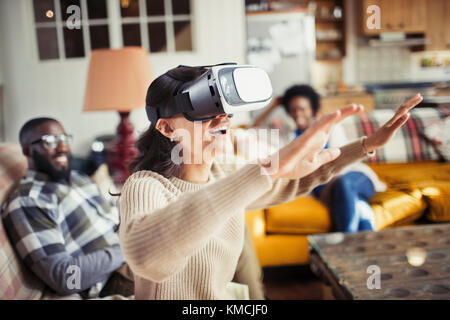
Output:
(333, 59)
(255, 13)
(330, 29)
(329, 40)
(326, 20)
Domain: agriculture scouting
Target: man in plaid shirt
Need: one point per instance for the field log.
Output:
(57, 219)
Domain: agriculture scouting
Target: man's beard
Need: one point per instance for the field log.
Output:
(42, 164)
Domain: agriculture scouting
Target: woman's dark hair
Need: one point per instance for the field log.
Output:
(154, 149)
(301, 91)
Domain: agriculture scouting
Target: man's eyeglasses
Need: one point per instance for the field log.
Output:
(52, 141)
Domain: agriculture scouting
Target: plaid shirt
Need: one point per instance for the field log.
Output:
(45, 218)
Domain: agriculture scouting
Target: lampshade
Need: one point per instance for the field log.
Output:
(118, 79)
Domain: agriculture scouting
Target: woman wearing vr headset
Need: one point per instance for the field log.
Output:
(182, 223)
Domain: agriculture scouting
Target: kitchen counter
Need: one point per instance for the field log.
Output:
(390, 96)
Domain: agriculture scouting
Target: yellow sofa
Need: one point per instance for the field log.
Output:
(414, 189)
(418, 186)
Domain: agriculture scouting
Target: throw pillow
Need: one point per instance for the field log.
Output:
(438, 133)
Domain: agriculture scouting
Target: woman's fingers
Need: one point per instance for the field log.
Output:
(351, 110)
(401, 121)
(382, 135)
(311, 143)
(404, 108)
(315, 161)
(413, 101)
(326, 122)
(390, 131)
(332, 118)
(328, 155)
(317, 135)
(306, 152)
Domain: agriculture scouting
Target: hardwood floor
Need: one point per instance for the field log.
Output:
(294, 283)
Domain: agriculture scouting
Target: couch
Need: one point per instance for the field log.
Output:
(16, 281)
(410, 164)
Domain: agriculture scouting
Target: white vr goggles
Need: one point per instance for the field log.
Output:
(222, 89)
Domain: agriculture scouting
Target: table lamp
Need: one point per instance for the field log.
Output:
(118, 80)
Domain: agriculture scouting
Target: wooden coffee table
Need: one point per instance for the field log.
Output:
(413, 263)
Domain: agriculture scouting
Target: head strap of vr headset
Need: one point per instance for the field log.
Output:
(179, 103)
(210, 65)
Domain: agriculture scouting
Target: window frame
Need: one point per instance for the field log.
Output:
(114, 22)
(168, 18)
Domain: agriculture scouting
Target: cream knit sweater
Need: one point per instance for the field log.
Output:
(183, 240)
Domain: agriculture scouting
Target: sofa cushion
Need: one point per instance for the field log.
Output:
(438, 133)
(396, 207)
(437, 195)
(401, 175)
(13, 165)
(16, 282)
(283, 249)
(429, 178)
(304, 215)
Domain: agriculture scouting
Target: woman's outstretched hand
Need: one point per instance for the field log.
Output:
(305, 154)
(384, 133)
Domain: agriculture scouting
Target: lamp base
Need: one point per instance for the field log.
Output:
(122, 151)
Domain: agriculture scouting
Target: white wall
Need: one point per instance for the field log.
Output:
(1, 50)
(55, 88)
(351, 25)
(1, 61)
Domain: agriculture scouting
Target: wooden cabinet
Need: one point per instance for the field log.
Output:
(407, 16)
(330, 30)
(412, 16)
(414, 19)
(390, 15)
(438, 25)
(333, 103)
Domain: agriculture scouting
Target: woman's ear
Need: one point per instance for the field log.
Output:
(163, 126)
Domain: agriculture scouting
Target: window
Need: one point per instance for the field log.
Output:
(56, 39)
(163, 26)
(98, 24)
(157, 25)
(44, 17)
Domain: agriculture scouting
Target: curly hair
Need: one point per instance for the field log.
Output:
(301, 91)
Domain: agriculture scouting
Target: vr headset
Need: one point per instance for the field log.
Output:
(222, 89)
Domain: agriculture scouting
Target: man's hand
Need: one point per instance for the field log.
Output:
(384, 133)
